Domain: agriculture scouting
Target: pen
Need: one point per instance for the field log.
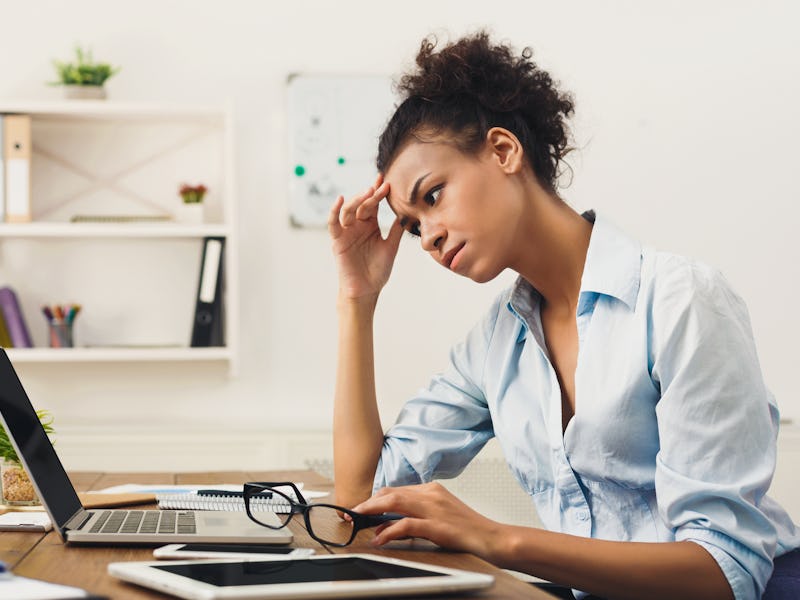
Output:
(230, 494)
(219, 493)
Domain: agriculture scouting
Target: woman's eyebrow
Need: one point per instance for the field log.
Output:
(412, 198)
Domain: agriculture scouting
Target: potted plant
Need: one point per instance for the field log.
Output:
(83, 78)
(192, 197)
(17, 488)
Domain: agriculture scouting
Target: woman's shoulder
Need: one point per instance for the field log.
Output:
(676, 281)
(679, 269)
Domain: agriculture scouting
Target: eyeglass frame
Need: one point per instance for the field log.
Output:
(358, 520)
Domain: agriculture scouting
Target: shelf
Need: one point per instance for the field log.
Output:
(111, 230)
(140, 354)
(109, 109)
(107, 157)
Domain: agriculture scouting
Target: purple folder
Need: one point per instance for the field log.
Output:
(15, 320)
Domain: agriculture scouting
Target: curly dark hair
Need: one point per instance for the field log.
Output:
(472, 85)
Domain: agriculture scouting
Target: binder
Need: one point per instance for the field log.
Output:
(5, 339)
(15, 320)
(207, 329)
(2, 170)
(17, 158)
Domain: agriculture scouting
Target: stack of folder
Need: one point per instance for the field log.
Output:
(13, 328)
(16, 149)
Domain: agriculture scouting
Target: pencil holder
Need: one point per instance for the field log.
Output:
(59, 324)
(60, 334)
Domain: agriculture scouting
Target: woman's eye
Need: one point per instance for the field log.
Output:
(432, 196)
(410, 228)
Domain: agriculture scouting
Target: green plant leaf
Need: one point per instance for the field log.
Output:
(7, 450)
(84, 71)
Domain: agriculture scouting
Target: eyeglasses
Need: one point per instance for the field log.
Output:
(322, 520)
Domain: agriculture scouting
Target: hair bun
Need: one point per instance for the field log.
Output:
(473, 85)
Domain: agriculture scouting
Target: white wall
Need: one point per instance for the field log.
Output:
(687, 125)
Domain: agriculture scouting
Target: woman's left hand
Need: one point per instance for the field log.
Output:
(432, 513)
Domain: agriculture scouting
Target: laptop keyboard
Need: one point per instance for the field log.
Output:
(145, 521)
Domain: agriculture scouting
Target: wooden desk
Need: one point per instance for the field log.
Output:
(44, 556)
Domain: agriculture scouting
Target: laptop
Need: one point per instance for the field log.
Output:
(123, 527)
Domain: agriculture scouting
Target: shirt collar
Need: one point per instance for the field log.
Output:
(613, 263)
(612, 268)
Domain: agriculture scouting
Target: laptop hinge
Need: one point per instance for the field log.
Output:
(79, 519)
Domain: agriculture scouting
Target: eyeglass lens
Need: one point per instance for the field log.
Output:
(323, 520)
(327, 526)
(270, 501)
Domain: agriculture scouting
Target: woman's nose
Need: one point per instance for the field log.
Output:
(432, 236)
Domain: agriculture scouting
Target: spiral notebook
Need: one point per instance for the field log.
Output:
(219, 500)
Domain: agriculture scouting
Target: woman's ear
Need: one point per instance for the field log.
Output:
(505, 149)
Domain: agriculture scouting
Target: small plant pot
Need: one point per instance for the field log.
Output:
(16, 485)
(190, 212)
(85, 92)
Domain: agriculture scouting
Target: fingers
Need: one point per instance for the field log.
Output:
(347, 213)
(334, 227)
(395, 234)
(403, 500)
(369, 208)
(364, 206)
(399, 530)
(431, 512)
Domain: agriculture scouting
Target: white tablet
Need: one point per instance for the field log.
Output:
(328, 576)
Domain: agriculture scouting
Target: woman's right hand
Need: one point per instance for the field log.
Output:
(364, 258)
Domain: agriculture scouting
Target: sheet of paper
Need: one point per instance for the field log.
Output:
(23, 588)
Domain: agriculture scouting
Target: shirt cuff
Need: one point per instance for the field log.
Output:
(746, 572)
(402, 473)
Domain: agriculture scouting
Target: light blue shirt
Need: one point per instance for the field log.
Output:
(674, 432)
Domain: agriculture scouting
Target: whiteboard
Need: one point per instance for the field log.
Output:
(334, 122)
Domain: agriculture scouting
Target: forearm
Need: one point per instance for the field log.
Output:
(613, 570)
(357, 431)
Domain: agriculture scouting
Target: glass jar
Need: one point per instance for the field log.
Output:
(16, 485)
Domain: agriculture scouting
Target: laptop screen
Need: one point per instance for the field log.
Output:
(34, 448)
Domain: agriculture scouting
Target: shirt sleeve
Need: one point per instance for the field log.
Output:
(446, 424)
(717, 425)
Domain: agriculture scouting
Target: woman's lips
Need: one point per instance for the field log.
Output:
(448, 258)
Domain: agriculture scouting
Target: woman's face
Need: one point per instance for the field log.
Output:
(462, 207)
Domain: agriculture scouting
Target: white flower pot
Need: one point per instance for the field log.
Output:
(85, 92)
(192, 213)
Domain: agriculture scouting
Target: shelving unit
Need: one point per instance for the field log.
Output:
(136, 281)
(61, 355)
(112, 230)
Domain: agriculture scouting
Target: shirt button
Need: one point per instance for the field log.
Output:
(583, 515)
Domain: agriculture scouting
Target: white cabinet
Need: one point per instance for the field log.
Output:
(108, 233)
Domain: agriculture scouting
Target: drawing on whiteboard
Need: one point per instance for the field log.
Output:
(334, 122)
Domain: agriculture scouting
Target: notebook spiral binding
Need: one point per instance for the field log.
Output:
(186, 501)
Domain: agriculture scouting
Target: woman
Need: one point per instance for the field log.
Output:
(622, 383)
